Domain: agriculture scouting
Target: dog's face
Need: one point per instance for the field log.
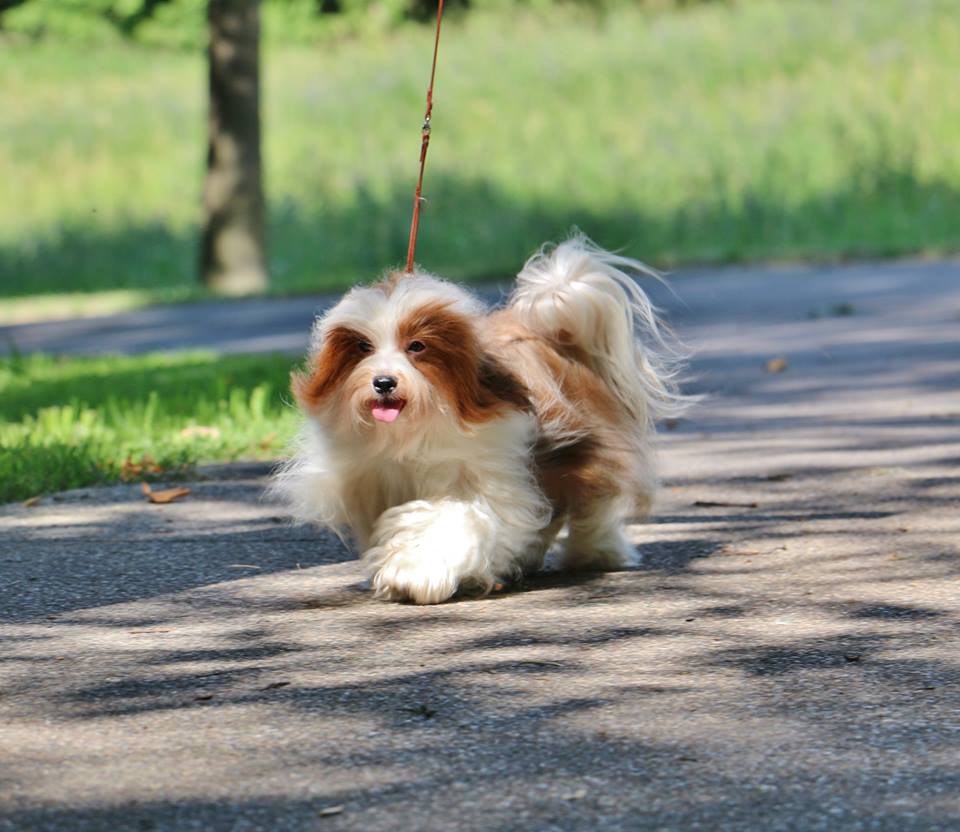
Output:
(400, 357)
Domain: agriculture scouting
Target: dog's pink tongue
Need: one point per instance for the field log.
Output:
(386, 412)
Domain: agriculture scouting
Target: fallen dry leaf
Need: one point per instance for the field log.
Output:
(729, 551)
(166, 496)
(267, 442)
(32, 502)
(130, 470)
(776, 365)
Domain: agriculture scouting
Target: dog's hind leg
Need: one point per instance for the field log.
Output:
(538, 551)
(596, 541)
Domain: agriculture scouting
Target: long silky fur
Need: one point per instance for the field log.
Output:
(578, 294)
(449, 495)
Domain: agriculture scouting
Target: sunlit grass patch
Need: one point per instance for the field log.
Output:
(70, 422)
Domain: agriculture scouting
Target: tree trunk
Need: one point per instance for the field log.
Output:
(232, 257)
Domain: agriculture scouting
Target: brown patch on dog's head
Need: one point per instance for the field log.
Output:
(342, 350)
(454, 362)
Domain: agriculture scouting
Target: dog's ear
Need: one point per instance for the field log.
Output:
(339, 353)
(455, 363)
(487, 389)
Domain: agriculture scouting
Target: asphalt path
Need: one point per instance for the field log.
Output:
(785, 658)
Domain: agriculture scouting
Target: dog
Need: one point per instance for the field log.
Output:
(451, 443)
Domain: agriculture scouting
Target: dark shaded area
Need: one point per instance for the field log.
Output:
(125, 20)
(153, 557)
(6, 5)
(760, 810)
(896, 612)
(521, 744)
(128, 23)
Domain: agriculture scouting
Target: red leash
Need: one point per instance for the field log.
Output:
(424, 142)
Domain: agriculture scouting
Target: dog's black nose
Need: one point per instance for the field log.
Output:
(384, 384)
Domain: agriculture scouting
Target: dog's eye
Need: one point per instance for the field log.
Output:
(364, 346)
(416, 346)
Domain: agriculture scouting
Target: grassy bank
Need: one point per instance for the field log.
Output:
(721, 132)
(70, 422)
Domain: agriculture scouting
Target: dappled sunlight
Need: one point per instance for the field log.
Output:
(394, 693)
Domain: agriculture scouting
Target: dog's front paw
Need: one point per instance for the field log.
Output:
(422, 552)
(403, 578)
(410, 559)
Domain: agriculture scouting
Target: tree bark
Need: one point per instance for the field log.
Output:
(6, 5)
(232, 256)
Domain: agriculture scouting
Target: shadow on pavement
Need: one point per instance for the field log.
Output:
(784, 658)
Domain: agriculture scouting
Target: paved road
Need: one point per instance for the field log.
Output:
(785, 659)
(741, 297)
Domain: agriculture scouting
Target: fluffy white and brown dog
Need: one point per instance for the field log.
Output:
(452, 443)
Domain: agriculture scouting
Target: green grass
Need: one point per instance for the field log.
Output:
(70, 422)
(725, 131)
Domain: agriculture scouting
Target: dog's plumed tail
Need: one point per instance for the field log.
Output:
(587, 300)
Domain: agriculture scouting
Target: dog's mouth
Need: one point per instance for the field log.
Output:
(387, 409)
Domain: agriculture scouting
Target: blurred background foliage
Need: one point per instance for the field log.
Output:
(180, 23)
(696, 132)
